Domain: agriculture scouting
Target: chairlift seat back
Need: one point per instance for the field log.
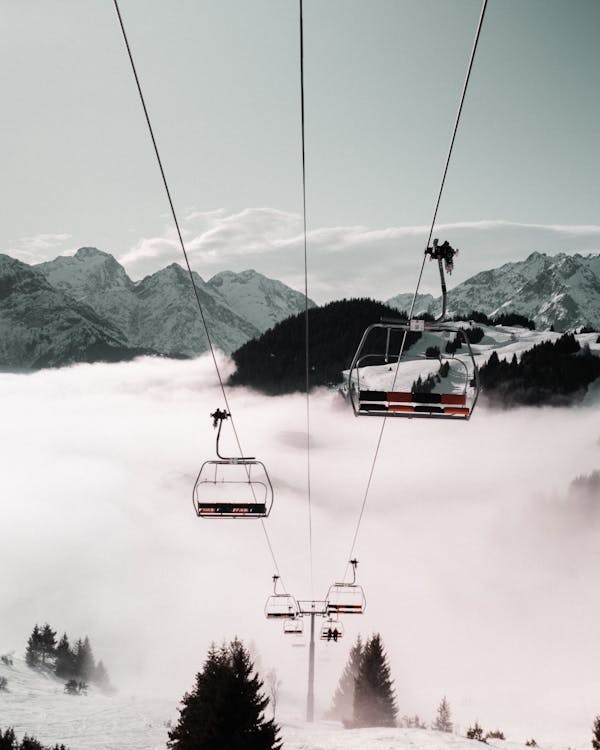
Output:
(281, 606)
(236, 488)
(436, 376)
(346, 599)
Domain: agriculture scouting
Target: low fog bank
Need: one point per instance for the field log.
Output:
(479, 558)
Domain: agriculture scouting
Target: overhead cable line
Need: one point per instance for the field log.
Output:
(306, 323)
(414, 299)
(185, 255)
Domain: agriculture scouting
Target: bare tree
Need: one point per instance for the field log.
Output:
(273, 684)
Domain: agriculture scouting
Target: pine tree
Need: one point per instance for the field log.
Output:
(596, 735)
(47, 643)
(442, 721)
(374, 702)
(342, 707)
(8, 741)
(65, 658)
(33, 652)
(226, 707)
(84, 659)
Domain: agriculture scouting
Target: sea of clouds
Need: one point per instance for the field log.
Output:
(480, 568)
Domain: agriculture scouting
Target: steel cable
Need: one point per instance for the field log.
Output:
(185, 255)
(414, 299)
(306, 323)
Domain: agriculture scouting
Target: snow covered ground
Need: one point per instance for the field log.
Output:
(36, 704)
(506, 341)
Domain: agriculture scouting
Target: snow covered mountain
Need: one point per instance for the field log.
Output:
(561, 291)
(42, 326)
(257, 299)
(424, 302)
(85, 307)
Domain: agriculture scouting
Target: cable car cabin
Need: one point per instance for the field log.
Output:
(421, 370)
(346, 599)
(293, 626)
(233, 488)
(281, 606)
(332, 631)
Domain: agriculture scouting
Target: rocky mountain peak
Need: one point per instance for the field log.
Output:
(561, 290)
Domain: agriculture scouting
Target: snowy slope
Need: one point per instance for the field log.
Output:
(506, 341)
(37, 704)
(561, 290)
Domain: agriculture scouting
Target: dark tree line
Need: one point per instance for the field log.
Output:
(274, 363)
(555, 373)
(9, 741)
(226, 707)
(504, 319)
(365, 693)
(71, 662)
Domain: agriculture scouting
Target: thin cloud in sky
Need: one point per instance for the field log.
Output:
(40, 247)
(346, 260)
(343, 261)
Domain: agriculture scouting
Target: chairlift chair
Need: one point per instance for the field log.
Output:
(293, 626)
(280, 606)
(346, 598)
(232, 487)
(332, 630)
(416, 368)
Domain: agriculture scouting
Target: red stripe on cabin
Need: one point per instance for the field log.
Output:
(455, 399)
(395, 397)
(457, 411)
(345, 606)
(401, 408)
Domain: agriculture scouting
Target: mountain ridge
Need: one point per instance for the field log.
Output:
(85, 307)
(562, 291)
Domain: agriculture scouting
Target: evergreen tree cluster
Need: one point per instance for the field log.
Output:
(474, 335)
(365, 693)
(274, 363)
(9, 741)
(555, 373)
(66, 661)
(476, 732)
(424, 385)
(505, 319)
(226, 707)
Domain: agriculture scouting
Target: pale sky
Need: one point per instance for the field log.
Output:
(382, 82)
